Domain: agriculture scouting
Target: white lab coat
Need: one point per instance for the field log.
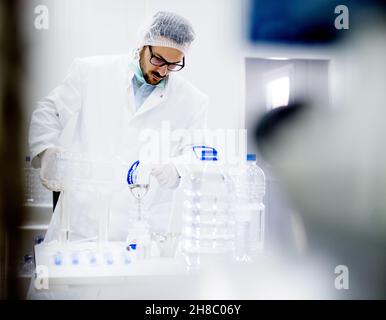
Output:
(98, 91)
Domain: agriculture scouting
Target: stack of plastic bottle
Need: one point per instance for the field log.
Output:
(247, 190)
(34, 192)
(81, 176)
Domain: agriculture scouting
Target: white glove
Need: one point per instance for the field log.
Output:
(167, 175)
(49, 169)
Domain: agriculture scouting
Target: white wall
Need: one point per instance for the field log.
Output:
(77, 28)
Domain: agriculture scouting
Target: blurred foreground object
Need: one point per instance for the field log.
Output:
(10, 137)
(332, 166)
(307, 22)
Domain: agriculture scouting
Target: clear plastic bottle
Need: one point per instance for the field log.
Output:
(208, 232)
(247, 191)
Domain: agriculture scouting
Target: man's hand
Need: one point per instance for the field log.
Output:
(49, 169)
(167, 175)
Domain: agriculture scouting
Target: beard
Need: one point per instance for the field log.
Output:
(149, 77)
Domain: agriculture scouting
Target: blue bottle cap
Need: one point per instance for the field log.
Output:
(58, 259)
(132, 246)
(251, 157)
(205, 153)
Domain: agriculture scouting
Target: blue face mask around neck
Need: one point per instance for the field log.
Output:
(137, 71)
(139, 74)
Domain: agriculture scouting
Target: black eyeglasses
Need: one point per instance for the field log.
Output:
(159, 62)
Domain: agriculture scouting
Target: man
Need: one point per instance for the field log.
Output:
(114, 98)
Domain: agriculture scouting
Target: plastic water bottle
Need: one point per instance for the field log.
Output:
(208, 232)
(256, 188)
(247, 191)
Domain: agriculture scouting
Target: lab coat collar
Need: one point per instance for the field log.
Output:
(130, 74)
(158, 95)
(153, 100)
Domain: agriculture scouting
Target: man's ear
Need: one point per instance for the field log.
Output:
(138, 52)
